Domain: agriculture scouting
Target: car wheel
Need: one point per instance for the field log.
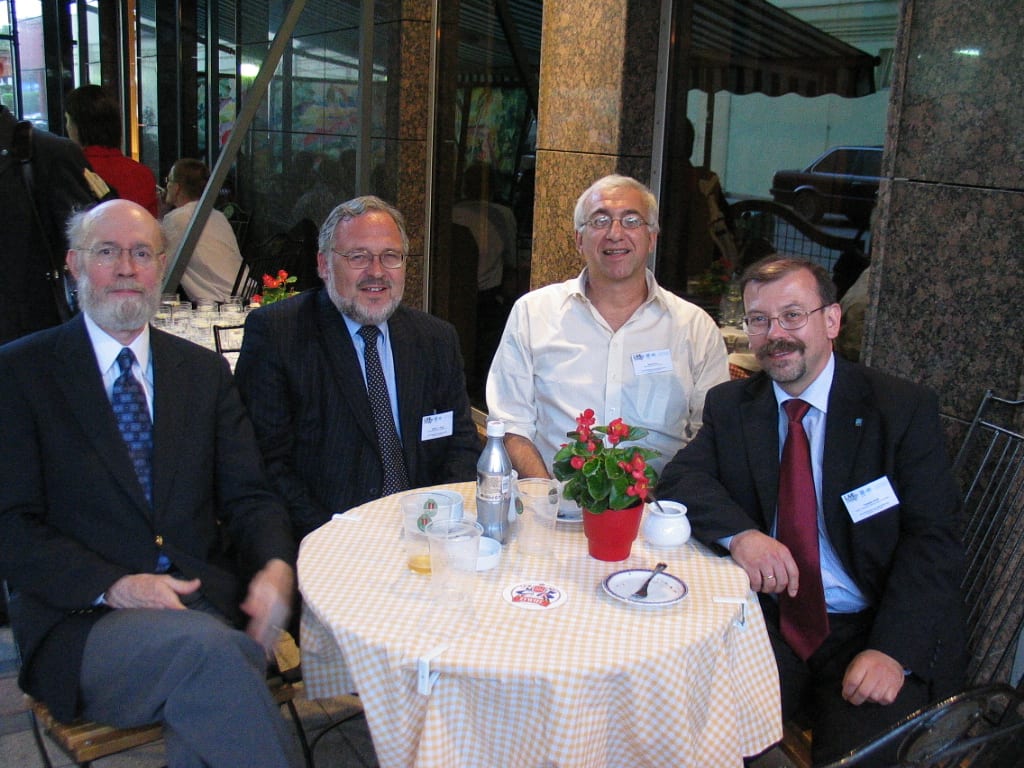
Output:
(808, 204)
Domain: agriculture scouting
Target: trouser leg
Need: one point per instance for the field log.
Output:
(204, 680)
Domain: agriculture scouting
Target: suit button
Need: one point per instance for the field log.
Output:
(159, 540)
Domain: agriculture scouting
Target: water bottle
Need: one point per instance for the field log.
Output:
(494, 484)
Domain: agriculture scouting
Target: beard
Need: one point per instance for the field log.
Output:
(351, 307)
(117, 315)
(787, 371)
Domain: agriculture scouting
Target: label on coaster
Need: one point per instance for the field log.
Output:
(534, 595)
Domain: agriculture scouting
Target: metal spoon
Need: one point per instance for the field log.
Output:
(642, 592)
(654, 499)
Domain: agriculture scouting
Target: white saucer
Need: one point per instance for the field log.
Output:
(664, 589)
(572, 518)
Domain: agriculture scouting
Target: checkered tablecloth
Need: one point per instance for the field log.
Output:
(591, 682)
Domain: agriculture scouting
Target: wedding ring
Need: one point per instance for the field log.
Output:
(769, 576)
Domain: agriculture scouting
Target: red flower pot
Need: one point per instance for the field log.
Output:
(610, 534)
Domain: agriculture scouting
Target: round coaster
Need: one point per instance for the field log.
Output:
(534, 595)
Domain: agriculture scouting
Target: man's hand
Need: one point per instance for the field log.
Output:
(269, 602)
(872, 676)
(768, 563)
(149, 590)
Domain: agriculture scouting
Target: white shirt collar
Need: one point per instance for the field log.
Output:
(107, 348)
(578, 287)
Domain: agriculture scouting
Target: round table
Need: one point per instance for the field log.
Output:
(591, 682)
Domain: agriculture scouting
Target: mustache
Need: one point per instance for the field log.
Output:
(374, 282)
(125, 285)
(780, 345)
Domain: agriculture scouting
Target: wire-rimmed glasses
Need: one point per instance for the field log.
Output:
(790, 320)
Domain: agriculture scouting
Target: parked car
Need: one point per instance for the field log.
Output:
(844, 180)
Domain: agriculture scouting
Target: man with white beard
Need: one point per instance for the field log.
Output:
(130, 466)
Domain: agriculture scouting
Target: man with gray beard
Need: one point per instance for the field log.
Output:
(353, 395)
(131, 472)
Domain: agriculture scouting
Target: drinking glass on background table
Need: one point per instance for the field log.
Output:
(539, 497)
(454, 548)
(418, 511)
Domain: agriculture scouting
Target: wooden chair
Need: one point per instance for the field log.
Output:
(84, 740)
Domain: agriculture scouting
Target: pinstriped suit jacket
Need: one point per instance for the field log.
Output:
(300, 377)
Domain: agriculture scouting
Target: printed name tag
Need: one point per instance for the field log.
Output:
(655, 361)
(868, 500)
(436, 425)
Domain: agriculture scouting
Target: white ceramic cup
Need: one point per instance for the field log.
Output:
(666, 526)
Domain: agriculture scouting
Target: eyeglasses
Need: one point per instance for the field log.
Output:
(107, 255)
(604, 221)
(790, 320)
(363, 259)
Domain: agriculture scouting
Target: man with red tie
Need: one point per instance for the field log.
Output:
(829, 484)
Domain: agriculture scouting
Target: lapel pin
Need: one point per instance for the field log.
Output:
(858, 422)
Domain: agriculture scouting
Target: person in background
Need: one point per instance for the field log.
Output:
(494, 230)
(139, 528)
(854, 304)
(42, 182)
(696, 199)
(94, 123)
(611, 339)
(829, 484)
(353, 395)
(214, 265)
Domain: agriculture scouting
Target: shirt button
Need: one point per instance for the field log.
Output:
(159, 540)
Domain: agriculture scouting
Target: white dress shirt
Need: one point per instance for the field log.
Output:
(558, 356)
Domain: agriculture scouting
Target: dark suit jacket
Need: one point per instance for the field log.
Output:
(73, 516)
(26, 297)
(907, 560)
(300, 377)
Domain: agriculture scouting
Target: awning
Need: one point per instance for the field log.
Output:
(748, 46)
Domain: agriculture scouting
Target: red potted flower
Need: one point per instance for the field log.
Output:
(609, 482)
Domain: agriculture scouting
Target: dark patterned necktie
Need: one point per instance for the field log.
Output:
(395, 477)
(132, 413)
(803, 619)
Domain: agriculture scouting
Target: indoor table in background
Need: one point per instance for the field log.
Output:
(593, 681)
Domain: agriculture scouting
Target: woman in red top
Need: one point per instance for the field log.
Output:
(94, 123)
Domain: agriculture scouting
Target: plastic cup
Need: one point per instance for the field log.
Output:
(454, 549)
(418, 511)
(539, 497)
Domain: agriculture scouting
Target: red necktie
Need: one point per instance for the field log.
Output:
(803, 619)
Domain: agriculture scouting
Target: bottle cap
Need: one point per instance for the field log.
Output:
(495, 429)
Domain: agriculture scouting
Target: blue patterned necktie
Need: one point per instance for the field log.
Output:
(132, 413)
(395, 476)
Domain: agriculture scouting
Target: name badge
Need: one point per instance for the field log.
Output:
(868, 500)
(655, 361)
(436, 425)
